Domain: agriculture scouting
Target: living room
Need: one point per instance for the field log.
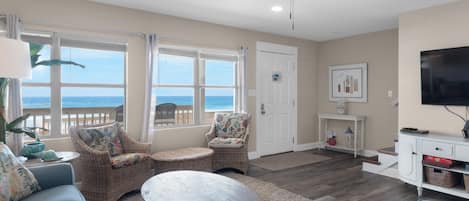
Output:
(171, 72)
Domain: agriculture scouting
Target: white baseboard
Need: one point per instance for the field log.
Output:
(315, 145)
(253, 155)
(307, 146)
(298, 147)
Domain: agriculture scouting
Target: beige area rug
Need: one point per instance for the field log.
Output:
(287, 160)
(265, 191)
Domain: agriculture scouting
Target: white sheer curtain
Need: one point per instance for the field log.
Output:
(242, 80)
(151, 54)
(15, 109)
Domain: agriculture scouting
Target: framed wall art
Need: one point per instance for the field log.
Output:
(348, 82)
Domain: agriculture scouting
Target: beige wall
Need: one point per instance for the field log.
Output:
(433, 28)
(84, 18)
(379, 50)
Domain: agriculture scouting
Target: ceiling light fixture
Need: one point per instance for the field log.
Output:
(292, 14)
(277, 9)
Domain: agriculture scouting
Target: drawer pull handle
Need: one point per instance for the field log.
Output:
(438, 149)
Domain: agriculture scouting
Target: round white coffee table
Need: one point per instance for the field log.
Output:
(195, 186)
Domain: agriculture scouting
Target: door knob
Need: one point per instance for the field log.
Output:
(262, 109)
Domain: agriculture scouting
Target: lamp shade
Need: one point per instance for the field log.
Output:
(15, 59)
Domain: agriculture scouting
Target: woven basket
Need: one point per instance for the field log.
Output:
(441, 177)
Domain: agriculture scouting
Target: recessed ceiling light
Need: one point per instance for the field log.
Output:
(277, 8)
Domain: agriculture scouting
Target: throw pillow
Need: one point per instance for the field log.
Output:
(16, 182)
(103, 138)
(231, 125)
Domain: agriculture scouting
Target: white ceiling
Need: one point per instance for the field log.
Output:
(317, 20)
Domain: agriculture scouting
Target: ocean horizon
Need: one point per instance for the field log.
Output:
(212, 103)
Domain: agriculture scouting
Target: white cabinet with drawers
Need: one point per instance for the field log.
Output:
(412, 149)
(407, 158)
(440, 149)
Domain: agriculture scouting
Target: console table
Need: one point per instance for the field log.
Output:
(356, 119)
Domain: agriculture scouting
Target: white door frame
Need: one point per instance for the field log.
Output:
(286, 50)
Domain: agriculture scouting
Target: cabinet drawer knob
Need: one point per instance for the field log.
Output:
(413, 153)
(438, 149)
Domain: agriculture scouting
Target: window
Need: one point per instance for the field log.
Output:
(190, 86)
(60, 96)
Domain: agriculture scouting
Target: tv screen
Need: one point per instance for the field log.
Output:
(445, 76)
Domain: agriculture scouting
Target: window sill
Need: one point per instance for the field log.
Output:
(182, 127)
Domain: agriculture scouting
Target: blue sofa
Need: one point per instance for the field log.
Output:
(57, 184)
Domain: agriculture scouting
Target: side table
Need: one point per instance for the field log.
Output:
(67, 157)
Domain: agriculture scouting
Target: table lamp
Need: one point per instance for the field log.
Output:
(15, 62)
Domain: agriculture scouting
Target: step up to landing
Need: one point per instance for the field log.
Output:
(385, 163)
(372, 160)
(388, 150)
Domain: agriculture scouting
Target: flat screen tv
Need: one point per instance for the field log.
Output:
(445, 76)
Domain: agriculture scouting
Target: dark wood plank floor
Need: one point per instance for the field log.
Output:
(341, 177)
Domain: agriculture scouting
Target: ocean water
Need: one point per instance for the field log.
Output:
(212, 103)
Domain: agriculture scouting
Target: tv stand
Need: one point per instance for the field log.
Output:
(412, 148)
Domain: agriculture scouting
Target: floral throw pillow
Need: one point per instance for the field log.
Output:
(231, 125)
(16, 182)
(103, 138)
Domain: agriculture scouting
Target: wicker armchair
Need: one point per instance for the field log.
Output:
(103, 182)
(228, 156)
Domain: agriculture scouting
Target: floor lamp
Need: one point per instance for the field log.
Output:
(15, 63)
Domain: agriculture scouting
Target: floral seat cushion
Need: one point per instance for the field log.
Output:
(126, 160)
(103, 138)
(16, 181)
(231, 125)
(220, 142)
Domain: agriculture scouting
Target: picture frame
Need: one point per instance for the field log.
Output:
(348, 82)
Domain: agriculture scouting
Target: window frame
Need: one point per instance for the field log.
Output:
(200, 55)
(55, 83)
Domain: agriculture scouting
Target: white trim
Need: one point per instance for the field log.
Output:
(84, 85)
(55, 90)
(192, 86)
(369, 153)
(201, 50)
(35, 84)
(253, 155)
(173, 85)
(297, 147)
(91, 85)
(197, 106)
(278, 49)
(307, 146)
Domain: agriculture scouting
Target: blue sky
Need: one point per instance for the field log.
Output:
(107, 67)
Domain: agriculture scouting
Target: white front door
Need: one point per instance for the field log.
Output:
(276, 98)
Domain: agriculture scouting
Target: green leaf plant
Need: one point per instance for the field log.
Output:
(14, 126)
